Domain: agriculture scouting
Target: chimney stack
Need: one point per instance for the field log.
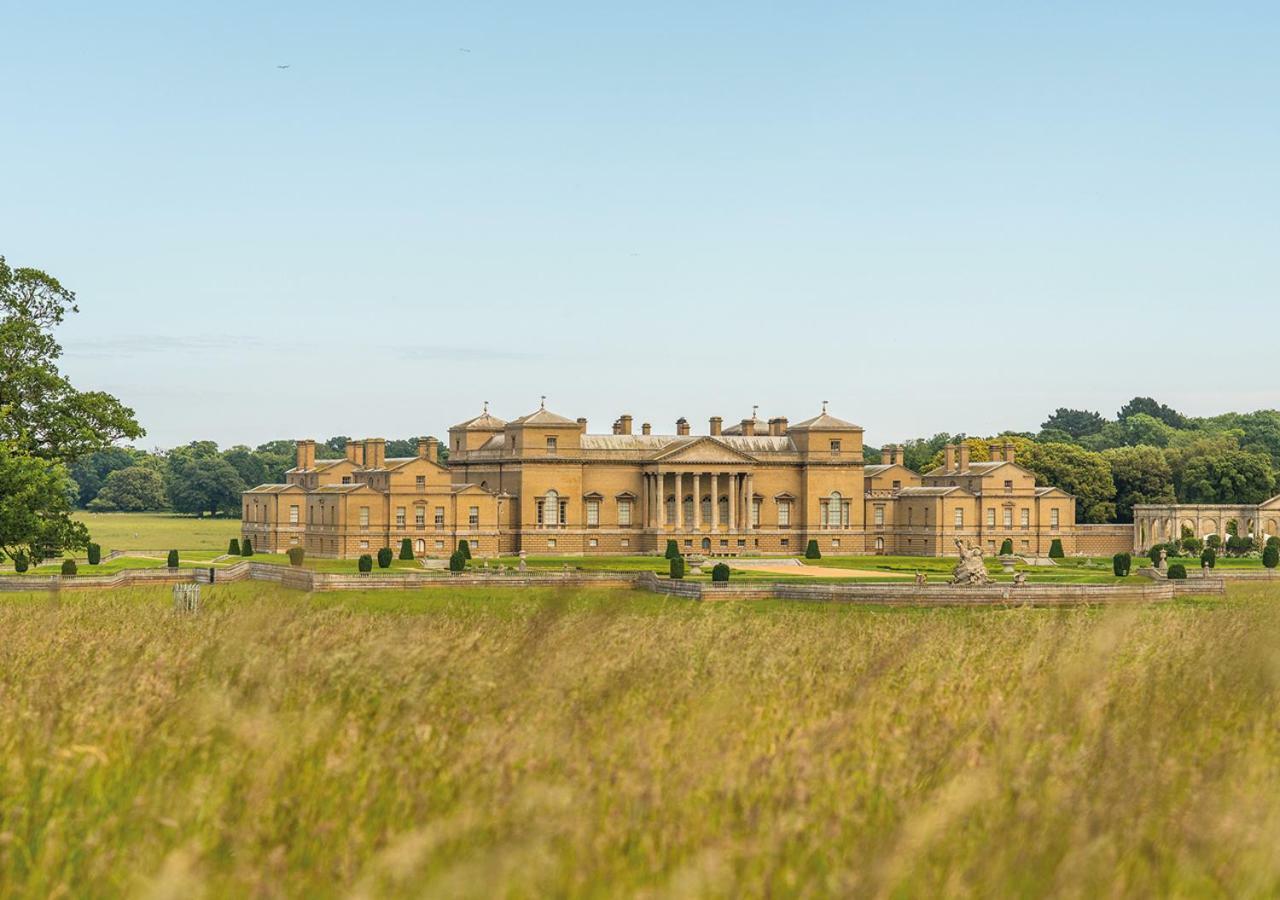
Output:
(625, 422)
(375, 452)
(617, 426)
(355, 453)
(582, 424)
(433, 450)
(748, 427)
(716, 423)
(994, 451)
(1009, 451)
(950, 451)
(682, 426)
(424, 449)
(964, 456)
(646, 428)
(778, 426)
(306, 454)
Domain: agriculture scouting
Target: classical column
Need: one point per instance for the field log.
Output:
(749, 491)
(697, 501)
(715, 501)
(732, 502)
(644, 500)
(662, 500)
(680, 501)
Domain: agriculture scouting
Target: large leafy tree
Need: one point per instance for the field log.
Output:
(1077, 471)
(1074, 422)
(1141, 475)
(204, 484)
(134, 489)
(90, 472)
(1231, 476)
(1165, 414)
(45, 422)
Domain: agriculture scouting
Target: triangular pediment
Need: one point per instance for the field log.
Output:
(704, 450)
(1272, 504)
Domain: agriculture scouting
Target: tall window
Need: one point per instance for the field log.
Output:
(688, 508)
(959, 517)
(1024, 518)
(593, 513)
(439, 518)
(705, 503)
(364, 517)
(551, 445)
(835, 448)
(991, 518)
(293, 515)
(624, 512)
(724, 509)
(1053, 517)
(473, 517)
(670, 503)
(1008, 487)
(399, 516)
(552, 510)
(1008, 518)
(834, 511)
(755, 513)
(420, 482)
(420, 516)
(878, 514)
(784, 512)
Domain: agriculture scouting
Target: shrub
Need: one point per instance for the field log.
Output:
(1192, 545)
(1177, 571)
(1271, 556)
(1213, 542)
(677, 566)
(68, 567)
(1006, 548)
(811, 551)
(296, 555)
(1272, 541)
(673, 550)
(1055, 549)
(457, 561)
(246, 549)
(384, 557)
(233, 549)
(364, 564)
(406, 549)
(1154, 554)
(464, 547)
(173, 559)
(720, 572)
(95, 554)
(1121, 563)
(1208, 557)
(20, 563)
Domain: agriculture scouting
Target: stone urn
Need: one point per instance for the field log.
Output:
(1006, 564)
(695, 561)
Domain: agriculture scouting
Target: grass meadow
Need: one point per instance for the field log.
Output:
(158, 531)
(532, 743)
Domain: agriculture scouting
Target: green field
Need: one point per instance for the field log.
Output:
(533, 743)
(158, 531)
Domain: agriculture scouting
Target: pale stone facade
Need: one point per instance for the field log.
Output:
(541, 483)
(1159, 523)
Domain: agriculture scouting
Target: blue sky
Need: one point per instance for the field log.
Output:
(938, 216)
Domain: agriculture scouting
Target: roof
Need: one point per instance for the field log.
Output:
(273, 489)
(759, 425)
(930, 491)
(341, 488)
(482, 422)
(975, 468)
(824, 421)
(543, 416)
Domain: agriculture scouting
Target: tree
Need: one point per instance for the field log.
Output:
(1208, 557)
(250, 466)
(677, 567)
(1231, 476)
(720, 573)
(172, 562)
(246, 547)
(44, 415)
(35, 507)
(1074, 422)
(673, 549)
(134, 489)
(1141, 475)
(1168, 416)
(811, 551)
(89, 472)
(1121, 564)
(1142, 429)
(1271, 556)
(464, 547)
(406, 549)
(1055, 549)
(1080, 472)
(233, 548)
(203, 484)
(384, 557)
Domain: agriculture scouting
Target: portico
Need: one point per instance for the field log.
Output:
(695, 499)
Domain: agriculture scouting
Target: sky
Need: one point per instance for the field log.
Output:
(935, 216)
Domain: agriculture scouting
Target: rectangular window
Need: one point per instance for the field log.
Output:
(785, 542)
(991, 518)
(420, 482)
(551, 446)
(1008, 487)
(878, 515)
(784, 512)
(346, 479)
(624, 512)
(835, 543)
(824, 512)
(626, 542)
(293, 515)
(439, 545)
(742, 542)
(897, 485)
(364, 517)
(551, 543)
(755, 513)
(475, 545)
(1024, 518)
(959, 517)
(473, 517)
(593, 542)
(1053, 517)
(835, 448)
(439, 519)
(364, 545)
(420, 516)
(399, 516)
(1008, 518)
(564, 511)
(593, 513)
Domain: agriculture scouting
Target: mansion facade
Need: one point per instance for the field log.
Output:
(542, 484)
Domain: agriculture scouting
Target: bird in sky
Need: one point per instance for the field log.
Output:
(282, 67)
(463, 50)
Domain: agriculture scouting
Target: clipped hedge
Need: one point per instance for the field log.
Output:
(233, 548)
(384, 557)
(1177, 571)
(68, 567)
(1006, 548)
(720, 572)
(1055, 549)
(673, 549)
(457, 561)
(1121, 563)
(677, 567)
(296, 555)
(364, 564)
(406, 549)
(246, 549)
(20, 563)
(1209, 557)
(811, 551)
(94, 553)
(172, 562)
(464, 547)
(1271, 556)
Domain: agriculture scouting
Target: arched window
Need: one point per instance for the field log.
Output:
(550, 510)
(671, 508)
(688, 509)
(419, 546)
(724, 509)
(706, 508)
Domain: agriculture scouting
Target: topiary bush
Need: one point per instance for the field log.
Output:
(172, 563)
(233, 548)
(1121, 563)
(94, 552)
(1213, 542)
(1271, 556)
(68, 567)
(20, 563)
(1177, 571)
(673, 550)
(406, 549)
(457, 561)
(677, 567)
(246, 549)
(384, 557)
(1192, 545)
(1055, 549)
(1272, 541)
(364, 564)
(811, 550)
(720, 572)
(296, 555)
(1006, 548)
(1154, 554)
(1208, 557)
(464, 547)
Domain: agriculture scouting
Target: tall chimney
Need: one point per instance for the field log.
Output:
(682, 426)
(995, 451)
(582, 424)
(433, 450)
(375, 452)
(1009, 451)
(355, 453)
(778, 426)
(964, 456)
(950, 451)
(646, 428)
(625, 421)
(716, 423)
(306, 454)
(748, 427)
(617, 426)
(424, 448)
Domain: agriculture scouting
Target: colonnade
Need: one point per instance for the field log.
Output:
(738, 487)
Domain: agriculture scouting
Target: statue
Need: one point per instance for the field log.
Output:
(1164, 556)
(523, 565)
(970, 569)
(921, 579)
(1020, 579)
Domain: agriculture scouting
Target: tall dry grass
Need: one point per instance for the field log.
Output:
(605, 744)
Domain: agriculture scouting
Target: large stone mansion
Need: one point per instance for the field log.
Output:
(541, 483)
